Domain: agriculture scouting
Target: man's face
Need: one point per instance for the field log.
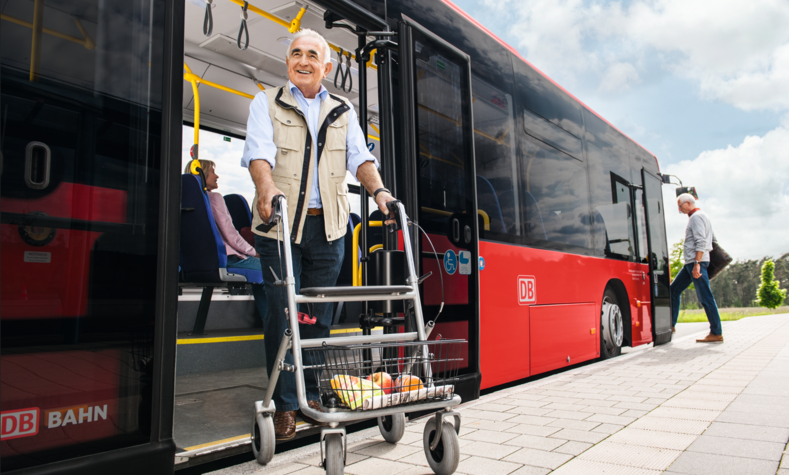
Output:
(685, 208)
(305, 65)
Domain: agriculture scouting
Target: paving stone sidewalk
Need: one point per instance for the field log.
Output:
(681, 408)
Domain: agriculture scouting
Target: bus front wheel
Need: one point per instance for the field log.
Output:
(612, 329)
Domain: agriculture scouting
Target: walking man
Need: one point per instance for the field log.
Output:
(300, 142)
(698, 244)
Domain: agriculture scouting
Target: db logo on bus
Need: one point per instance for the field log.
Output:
(19, 423)
(527, 292)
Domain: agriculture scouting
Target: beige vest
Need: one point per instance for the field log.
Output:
(295, 163)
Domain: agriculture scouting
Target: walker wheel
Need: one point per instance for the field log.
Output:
(335, 455)
(392, 427)
(446, 456)
(263, 440)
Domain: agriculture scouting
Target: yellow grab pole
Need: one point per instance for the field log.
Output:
(87, 42)
(260, 12)
(38, 28)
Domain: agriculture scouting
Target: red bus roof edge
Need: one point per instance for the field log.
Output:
(516, 53)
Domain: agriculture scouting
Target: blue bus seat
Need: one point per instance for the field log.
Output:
(240, 212)
(203, 252)
(488, 201)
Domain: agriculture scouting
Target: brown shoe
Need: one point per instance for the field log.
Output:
(673, 330)
(284, 425)
(711, 339)
(316, 406)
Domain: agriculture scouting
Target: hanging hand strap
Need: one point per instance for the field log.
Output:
(347, 75)
(208, 21)
(243, 28)
(339, 71)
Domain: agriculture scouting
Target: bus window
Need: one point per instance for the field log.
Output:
(554, 196)
(617, 220)
(82, 120)
(225, 151)
(495, 149)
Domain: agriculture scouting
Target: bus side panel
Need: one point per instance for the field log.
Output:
(45, 270)
(563, 335)
(75, 394)
(509, 331)
(504, 323)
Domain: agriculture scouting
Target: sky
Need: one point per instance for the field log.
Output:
(702, 84)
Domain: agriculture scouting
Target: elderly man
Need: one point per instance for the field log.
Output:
(300, 142)
(698, 244)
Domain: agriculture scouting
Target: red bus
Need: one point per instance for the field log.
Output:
(543, 223)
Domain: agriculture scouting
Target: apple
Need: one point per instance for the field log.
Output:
(383, 380)
(407, 382)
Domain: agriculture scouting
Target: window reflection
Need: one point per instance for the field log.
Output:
(495, 150)
(555, 197)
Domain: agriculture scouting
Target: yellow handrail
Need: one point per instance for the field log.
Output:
(356, 273)
(87, 41)
(376, 247)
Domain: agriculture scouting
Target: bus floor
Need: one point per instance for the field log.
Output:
(212, 408)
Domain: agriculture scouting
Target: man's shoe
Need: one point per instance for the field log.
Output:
(316, 406)
(284, 425)
(673, 330)
(711, 339)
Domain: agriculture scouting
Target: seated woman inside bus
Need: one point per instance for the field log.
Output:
(240, 255)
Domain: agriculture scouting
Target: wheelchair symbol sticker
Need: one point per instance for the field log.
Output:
(464, 258)
(450, 262)
(481, 263)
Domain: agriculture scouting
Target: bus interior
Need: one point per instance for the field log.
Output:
(220, 365)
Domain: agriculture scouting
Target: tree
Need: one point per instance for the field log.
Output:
(770, 295)
(675, 261)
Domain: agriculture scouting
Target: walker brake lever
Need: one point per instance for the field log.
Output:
(277, 281)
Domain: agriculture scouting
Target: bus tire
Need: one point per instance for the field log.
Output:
(445, 458)
(335, 455)
(612, 326)
(264, 442)
(392, 427)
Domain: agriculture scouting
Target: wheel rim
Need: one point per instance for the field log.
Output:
(438, 454)
(612, 317)
(256, 438)
(387, 423)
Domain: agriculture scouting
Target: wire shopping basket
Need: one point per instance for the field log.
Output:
(373, 376)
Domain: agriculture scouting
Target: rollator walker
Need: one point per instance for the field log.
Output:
(422, 373)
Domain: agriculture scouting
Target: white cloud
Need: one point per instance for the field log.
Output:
(736, 51)
(744, 190)
(619, 77)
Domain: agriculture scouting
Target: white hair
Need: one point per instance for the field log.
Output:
(686, 198)
(312, 34)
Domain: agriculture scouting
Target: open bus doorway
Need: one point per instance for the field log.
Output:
(220, 365)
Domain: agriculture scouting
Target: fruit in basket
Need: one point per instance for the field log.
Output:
(383, 380)
(407, 382)
(353, 391)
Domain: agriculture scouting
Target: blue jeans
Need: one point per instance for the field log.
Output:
(257, 289)
(703, 291)
(316, 263)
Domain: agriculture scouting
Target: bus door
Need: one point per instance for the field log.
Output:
(657, 246)
(439, 186)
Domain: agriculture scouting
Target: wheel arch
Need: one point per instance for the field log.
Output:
(624, 305)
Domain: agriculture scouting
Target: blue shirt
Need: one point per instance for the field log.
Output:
(260, 136)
